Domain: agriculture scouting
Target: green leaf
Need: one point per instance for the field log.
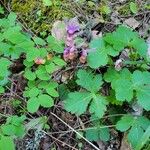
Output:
(98, 133)
(98, 106)
(1, 10)
(42, 73)
(124, 90)
(45, 101)
(143, 122)
(87, 80)
(50, 68)
(58, 61)
(111, 75)
(141, 81)
(33, 92)
(52, 92)
(39, 41)
(20, 131)
(133, 7)
(32, 54)
(137, 124)
(47, 2)
(143, 139)
(33, 105)
(125, 123)
(8, 129)
(5, 62)
(143, 95)
(28, 64)
(2, 90)
(124, 37)
(6, 143)
(98, 53)
(135, 135)
(55, 45)
(14, 35)
(140, 45)
(30, 75)
(77, 102)
(12, 18)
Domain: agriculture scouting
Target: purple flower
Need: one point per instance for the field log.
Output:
(66, 50)
(84, 53)
(73, 26)
(71, 29)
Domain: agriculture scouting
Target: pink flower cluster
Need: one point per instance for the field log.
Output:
(70, 50)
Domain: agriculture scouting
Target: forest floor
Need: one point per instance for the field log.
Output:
(101, 16)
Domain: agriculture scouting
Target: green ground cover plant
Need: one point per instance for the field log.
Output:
(42, 57)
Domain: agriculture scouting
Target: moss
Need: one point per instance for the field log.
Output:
(124, 10)
(38, 17)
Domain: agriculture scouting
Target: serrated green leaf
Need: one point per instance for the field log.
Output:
(98, 53)
(42, 73)
(58, 61)
(39, 41)
(14, 35)
(124, 37)
(28, 64)
(12, 18)
(143, 95)
(87, 80)
(135, 135)
(140, 45)
(111, 75)
(133, 7)
(6, 143)
(143, 122)
(8, 129)
(45, 101)
(98, 106)
(33, 105)
(98, 133)
(55, 45)
(143, 139)
(77, 102)
(43, 85)
(33, 92)
(50, 68)
(30, 75)
(124, 90)
(52, 92)
(20, 131)
(125, 123)
(141, 86)
(32, 54)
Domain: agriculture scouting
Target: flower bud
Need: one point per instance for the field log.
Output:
(66, 53)
(72, 55)
(83, 56)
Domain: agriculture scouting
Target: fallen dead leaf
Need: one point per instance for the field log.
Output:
(131, 22)
(59, 30)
